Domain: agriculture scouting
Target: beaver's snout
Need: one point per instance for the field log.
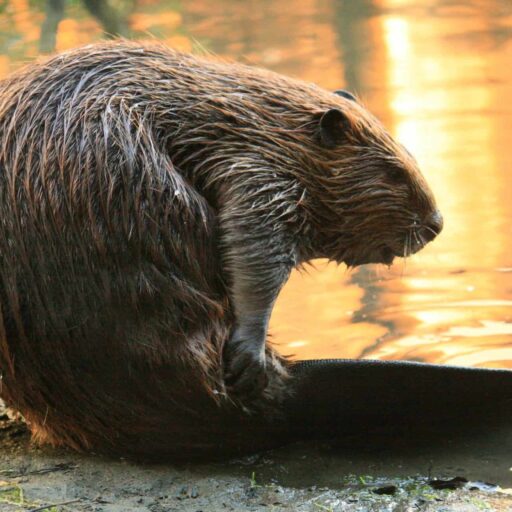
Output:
(425, 232)
(431, 227)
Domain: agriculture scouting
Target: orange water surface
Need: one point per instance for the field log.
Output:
(439, 74)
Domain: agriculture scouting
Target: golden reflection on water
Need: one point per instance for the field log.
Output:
(439, 75)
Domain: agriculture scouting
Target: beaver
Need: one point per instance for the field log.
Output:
(153, 205)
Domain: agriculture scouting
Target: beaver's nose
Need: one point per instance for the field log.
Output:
(432, 226)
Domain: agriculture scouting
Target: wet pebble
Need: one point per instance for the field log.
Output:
(387, 489)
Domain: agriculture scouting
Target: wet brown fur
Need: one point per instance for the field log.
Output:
(118, 162)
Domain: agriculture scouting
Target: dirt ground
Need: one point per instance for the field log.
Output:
(304, 477)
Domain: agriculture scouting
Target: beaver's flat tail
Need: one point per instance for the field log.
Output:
(337, 397)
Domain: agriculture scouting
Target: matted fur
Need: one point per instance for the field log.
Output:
(118, 162)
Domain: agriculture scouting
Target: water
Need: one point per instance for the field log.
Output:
(439, 75)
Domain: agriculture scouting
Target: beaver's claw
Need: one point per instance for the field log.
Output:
(245, 369)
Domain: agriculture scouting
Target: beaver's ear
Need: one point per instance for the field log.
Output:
(334, 126)
(345, 94)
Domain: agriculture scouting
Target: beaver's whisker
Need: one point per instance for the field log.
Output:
(417, 237)
(406, 250)
(430, 229)
(404, 257)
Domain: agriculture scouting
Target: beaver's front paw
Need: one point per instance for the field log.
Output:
(245, 368)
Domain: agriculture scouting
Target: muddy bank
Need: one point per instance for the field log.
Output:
(387, 475)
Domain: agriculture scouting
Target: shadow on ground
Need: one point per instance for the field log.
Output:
(462, 473)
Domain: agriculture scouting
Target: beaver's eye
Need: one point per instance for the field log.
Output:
(396, 175)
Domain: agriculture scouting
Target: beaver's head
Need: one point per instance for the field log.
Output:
(374, 202)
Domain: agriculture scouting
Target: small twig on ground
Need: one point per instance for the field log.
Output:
(61, 504)
(62, 466)
(8, 489)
